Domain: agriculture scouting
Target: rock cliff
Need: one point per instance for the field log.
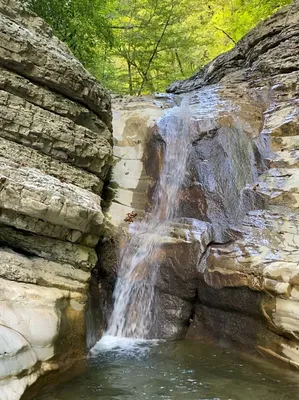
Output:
(229, 263)
(229, 268)
(247, 289)
(55, 153)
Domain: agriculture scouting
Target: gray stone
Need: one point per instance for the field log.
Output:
(25, 156)
(50, 134)
(62, 252)
(52, 101)
(34, 270)
(32, 193)
(55, 153)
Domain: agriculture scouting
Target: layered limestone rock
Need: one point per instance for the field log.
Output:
(264, 258)
(55, 154)
(136, 163)
(247, 289)
(238, 284)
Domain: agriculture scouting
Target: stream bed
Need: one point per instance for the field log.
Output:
(182, 370)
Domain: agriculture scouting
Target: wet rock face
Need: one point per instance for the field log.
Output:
(55, 152)
(176, 283)
(213, 198)
(247, 289)
(224, 158)
(137, 158)
(240, 286)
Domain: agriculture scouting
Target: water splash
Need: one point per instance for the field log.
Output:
(121, 346)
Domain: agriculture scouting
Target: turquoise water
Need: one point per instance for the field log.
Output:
(188, 370)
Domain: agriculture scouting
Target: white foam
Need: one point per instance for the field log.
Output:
(121, 345)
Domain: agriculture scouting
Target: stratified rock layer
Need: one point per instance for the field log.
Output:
(134, 170)
(247, 290)
(55, 153)
(236, 280)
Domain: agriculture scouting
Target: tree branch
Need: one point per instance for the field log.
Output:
(125, 27)
(179, 61)
(155, 50)
(226, 34)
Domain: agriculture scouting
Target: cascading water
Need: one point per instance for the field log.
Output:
(133, 314)
(134, 294)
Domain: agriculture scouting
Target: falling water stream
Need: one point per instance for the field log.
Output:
(134, 295)
(133, 313)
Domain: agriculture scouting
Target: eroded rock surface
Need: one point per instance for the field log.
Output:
(247, 289)
(55, 153)
(240, 285)
(136, 162)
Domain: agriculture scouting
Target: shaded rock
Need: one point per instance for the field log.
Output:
(52, 101)
(52, 135)
(25, 156)
(33, 270)
(176, 286)
(55, 154)
(50, 249)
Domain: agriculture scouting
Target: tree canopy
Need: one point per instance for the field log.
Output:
(140, 46)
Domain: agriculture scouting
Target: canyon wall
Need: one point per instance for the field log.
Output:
(55, 153)
(246, 290)
(229, 266)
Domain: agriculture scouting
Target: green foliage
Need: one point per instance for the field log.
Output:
(150, 39)
(231, 20)
(140, 46)
(82, 24)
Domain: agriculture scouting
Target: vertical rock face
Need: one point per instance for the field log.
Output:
(246, 291)
(136, 157)
(229, 268)
(55, 153)
(137, 154)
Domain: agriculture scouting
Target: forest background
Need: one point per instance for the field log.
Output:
(141, 46)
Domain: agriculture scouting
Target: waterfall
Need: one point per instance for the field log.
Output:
(133, 313)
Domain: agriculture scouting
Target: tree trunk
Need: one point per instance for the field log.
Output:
(130, 77)
(154, 52)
